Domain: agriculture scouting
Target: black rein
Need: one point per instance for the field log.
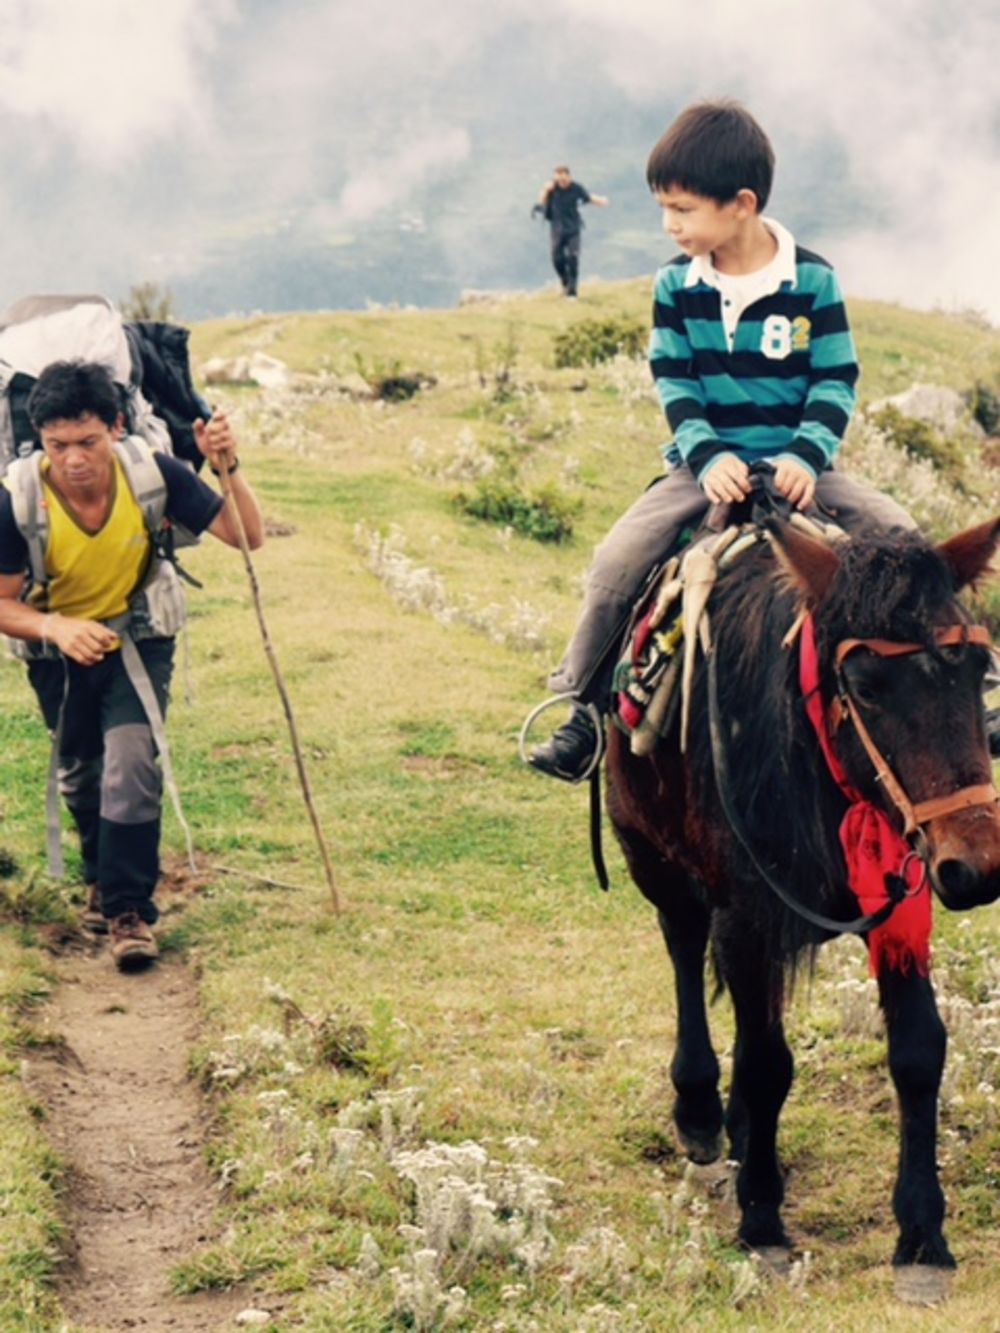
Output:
(861, 924)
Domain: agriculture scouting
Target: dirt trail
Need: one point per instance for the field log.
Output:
(130, 1123)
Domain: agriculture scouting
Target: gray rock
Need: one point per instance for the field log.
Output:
(944, 409)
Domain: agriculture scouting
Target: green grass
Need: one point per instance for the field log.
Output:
(31, 1230)
(491, 990)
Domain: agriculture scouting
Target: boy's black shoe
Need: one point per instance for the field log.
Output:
(571, 749)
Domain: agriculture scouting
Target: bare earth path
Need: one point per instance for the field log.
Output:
(124, 1115)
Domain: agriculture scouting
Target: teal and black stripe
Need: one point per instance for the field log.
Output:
(795, 402)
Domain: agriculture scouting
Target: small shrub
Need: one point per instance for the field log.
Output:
(545, 514)
(984, 404)
(398, 388)
(388, 380)
(918, 438)
(148, 300)
(594, 340)
(495, 369)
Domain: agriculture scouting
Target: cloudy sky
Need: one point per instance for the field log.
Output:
(275, 154)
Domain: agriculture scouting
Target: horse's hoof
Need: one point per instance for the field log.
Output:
(774, 1259)
(701, 1151)
(922, 1284)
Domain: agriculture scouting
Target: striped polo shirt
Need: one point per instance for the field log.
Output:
(780, 384)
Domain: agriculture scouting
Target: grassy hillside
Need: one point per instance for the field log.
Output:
(478, 1046)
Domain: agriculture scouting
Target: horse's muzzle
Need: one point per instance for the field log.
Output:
(964, 857)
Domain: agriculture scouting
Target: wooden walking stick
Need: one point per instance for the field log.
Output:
(286, 703)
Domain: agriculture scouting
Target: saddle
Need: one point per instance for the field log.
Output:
(655, 666)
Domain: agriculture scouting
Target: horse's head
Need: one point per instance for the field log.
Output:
(901, 669)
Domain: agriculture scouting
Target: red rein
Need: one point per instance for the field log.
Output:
(872, 847)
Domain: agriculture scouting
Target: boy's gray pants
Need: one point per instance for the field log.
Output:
(643, 536)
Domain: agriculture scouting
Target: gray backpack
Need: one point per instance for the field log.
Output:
(37, 330)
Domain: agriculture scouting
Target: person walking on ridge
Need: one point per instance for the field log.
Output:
(559, 203)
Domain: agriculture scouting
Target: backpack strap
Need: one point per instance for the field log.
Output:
(135, 669)
(145, 481)
(24, 481)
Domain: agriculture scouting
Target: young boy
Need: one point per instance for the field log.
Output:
(752, 358)
(560, 201)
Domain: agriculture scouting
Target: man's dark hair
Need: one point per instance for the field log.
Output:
(714, 149)
(67, 390)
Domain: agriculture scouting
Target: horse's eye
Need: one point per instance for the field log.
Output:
(865, 694)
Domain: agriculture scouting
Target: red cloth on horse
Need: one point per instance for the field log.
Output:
(872, 847)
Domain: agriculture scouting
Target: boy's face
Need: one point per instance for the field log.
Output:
(562, 179)
(700, 226)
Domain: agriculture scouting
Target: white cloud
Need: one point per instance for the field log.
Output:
(213, 120)
(394, 177)
(908, 90)
(109, 76)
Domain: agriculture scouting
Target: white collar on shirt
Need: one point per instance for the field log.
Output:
(780, 269)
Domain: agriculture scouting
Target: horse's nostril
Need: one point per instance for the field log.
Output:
(958, 882)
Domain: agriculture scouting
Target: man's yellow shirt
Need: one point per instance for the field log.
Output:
(93, 575)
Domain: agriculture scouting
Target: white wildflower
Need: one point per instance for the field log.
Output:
(369, 1264)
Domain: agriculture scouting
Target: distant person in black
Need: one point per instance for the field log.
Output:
(560, 202)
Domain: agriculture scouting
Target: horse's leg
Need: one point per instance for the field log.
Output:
(762, 1075)
(736, 1123)
(694, 1069)
(917, 1041)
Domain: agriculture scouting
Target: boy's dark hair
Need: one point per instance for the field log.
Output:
(714, 149)
(67, 390)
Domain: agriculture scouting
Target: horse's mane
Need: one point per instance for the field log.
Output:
(891, 586)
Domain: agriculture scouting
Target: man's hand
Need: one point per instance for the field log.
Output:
(795, 482)
(216, 441)
(727, 480)
(85, 641)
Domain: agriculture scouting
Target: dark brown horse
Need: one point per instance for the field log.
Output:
(898, 662)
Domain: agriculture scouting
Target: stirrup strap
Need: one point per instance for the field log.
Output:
(596, 846)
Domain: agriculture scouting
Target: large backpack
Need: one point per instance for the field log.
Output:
(148, 361)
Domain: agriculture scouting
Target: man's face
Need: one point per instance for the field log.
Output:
(80, 451)
(562, 179)
(698, 225)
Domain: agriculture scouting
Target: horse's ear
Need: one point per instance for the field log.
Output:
(810, 563)
(968, 554)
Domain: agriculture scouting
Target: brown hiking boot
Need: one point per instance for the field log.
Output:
(92, 918)
(132, 944)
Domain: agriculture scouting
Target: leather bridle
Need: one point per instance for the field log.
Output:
(843, 707)
(826, 723)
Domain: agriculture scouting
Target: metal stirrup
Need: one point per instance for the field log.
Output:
(592, 711)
